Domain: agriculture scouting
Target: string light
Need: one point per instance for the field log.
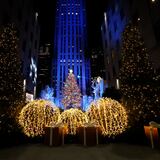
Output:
(73, 118)
(36, 115)
(110, 116)
(139, 81)
(11, 80)
(71, 92)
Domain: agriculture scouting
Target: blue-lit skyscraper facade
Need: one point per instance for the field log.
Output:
(69, 45)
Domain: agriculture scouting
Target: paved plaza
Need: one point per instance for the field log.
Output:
(68, 152)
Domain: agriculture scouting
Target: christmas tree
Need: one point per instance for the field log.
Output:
(139, 81)
(11, 81)
(71, 93)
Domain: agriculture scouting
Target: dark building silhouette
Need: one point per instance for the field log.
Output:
(117, 15)
(24, 16)
(44, 68)
(97, 63)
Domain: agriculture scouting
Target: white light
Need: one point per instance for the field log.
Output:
(70, 71)
(34, 92)
(139, 19)
(24, 85)
(153, 0)
(36, 15)
(105, 17)
(117, 84)
(33, 70)
(29, 97)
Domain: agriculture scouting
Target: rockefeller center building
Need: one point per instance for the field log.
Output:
(69, 45)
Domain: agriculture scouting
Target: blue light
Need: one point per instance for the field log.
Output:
(78, 76)
(47, 94)
(70, 45)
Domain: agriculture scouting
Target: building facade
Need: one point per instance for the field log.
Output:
(23, 15)
(97, 63)
(70, 44)
(116, 17)
(44, 68)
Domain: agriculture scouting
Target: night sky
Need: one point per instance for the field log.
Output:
(94, 8)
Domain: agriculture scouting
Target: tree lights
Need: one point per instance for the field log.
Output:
(73, 118)
(71, 92)
(110, 115)
(36, 115)
(139, 81)
(11, 81)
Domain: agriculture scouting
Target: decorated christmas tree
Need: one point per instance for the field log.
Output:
(139, 81)
(71, 93)
(11, 81)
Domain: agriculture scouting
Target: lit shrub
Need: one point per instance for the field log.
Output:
(36, 115)
(109, 114)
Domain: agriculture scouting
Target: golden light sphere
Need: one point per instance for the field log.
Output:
(110, 115)
(73, 118)
(36, 115)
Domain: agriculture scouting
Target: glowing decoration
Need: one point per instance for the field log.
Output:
(71, 93)
(47, 94)
(29, 97)
(98, 87)
(110, 115)
(33, 70)
(73, 118)
(70, 71)
(11, 80)
(139, 81)
(86, 100)
(36, 115)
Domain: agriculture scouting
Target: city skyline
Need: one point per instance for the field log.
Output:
(94, 14)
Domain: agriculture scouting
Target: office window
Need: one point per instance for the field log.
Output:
(114, 71)
(106, 44)
(19, 15)
(110, 35)
(6, 18)
(109, 77)
(115, 26)
(24, 46)
(35, 44)
(31, 36)
(10, 2)
(122, 14)
(157, 30)
(26, 26)
(29, 55)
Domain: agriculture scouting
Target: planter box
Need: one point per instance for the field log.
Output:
(152, 136)
(54, 136)
(88, 136)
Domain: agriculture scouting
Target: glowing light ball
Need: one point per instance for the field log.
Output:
(36, 115)
(110, 115)
(72, 119)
